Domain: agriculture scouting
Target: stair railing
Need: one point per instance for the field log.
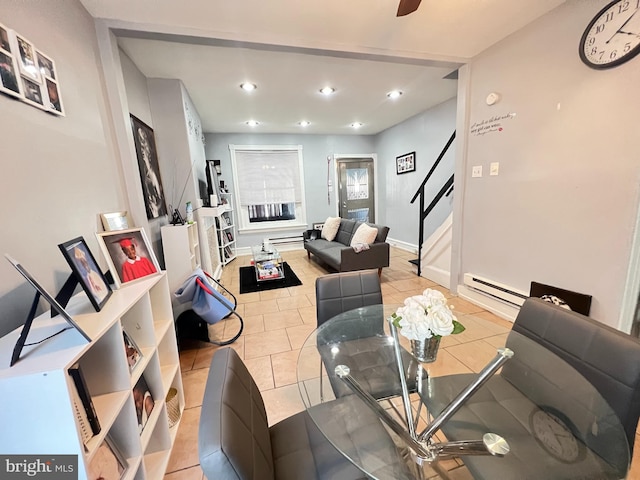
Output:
(444, 191)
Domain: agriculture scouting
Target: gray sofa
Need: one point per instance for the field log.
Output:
(338, 253)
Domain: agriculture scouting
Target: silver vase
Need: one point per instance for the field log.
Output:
(425, 350)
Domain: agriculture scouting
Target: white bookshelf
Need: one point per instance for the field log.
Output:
(226, 228)
(37, 413)
(215, 222)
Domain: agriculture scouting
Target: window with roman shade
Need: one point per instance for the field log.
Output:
(269, 186)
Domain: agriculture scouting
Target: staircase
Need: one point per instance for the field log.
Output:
(436, 258)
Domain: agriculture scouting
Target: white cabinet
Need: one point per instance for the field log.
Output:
(181, 247)
(37, 415)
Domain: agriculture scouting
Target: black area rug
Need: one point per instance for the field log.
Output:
(249, 284)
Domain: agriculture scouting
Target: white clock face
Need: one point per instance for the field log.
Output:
(613, 36)
(555, 436)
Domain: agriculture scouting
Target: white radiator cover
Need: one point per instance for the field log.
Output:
(495, 289)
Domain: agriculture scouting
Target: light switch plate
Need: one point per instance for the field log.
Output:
(494, 168)
(476, 171)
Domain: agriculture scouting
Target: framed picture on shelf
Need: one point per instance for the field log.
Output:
(134, 355)
(128, 254)
(116, 221)
(143, 402)
(149, 168)
(84, 267)
(9, 75)
(107, 463)
(406, 163)
(229, 236)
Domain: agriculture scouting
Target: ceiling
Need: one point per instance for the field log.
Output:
(291, 49)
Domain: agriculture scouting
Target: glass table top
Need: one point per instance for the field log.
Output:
(555, 422)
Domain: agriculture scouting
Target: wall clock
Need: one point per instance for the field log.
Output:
(553, 434)
(613, 36)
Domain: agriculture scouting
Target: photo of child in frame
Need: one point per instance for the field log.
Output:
(129, 254)
(143, 401)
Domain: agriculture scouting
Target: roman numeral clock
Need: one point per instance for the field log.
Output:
(613, 36)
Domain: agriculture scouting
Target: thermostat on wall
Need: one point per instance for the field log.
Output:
(493, 98)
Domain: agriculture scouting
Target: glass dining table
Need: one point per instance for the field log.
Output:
(527, 414)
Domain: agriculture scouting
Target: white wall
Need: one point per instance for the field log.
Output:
(563, 208)
(58, 173)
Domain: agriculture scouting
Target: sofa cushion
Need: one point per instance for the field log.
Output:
(364, 234)
(345, 232)
(330, 228)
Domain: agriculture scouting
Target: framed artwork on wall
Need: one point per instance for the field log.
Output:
(32, 92)
(149, 168)
(406, 163)
(26, 56)
(129, 255)
(9, 74)
(47, 69)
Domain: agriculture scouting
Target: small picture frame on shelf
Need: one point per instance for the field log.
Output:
(143, 401)
(229, 236)
(84, 266)
(128, 254)
(116, 221)
(107, 462)
(134, 355)
(406, 163)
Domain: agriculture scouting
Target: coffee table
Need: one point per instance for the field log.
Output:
(267, 263)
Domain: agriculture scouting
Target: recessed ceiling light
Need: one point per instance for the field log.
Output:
(304, 123)
(356, 125)
(327, 90)
(394, 94)
(252, 123)
(248, 86)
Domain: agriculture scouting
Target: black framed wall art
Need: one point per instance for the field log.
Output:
(149, 167)
(406, 163)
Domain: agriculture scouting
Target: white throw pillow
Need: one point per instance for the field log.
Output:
(364, 234)
(330, 228)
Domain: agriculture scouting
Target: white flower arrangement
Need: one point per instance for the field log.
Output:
(425, 316)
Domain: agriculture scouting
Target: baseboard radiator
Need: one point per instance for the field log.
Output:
(495, 289)
(290, 240)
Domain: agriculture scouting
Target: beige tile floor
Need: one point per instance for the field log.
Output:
(277, 322)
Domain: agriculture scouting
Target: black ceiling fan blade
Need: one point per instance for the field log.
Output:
(407, 6)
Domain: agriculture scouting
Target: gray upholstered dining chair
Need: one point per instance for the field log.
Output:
(235, 441)
(607, 359)
(340, 292)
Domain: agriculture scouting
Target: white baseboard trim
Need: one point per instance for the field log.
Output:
(435, 274)
(409, 247)
(495, 306)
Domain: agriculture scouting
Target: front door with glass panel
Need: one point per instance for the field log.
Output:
(356, 195)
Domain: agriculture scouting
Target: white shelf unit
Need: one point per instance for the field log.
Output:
(226, 228)
(181, 247)
(37, 414)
